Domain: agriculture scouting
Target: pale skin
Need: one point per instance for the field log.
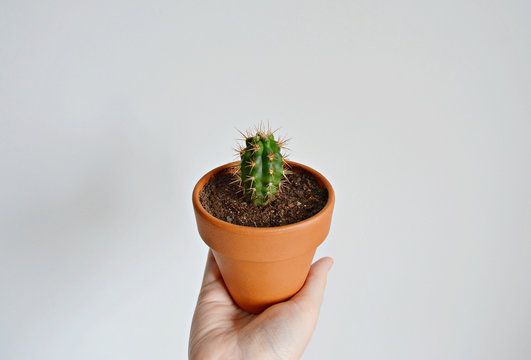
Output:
(221, 330)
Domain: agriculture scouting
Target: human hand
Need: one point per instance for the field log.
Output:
(221, 330)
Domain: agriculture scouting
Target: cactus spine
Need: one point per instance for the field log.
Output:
(261, 167)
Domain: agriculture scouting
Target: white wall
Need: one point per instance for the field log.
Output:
(418, 112)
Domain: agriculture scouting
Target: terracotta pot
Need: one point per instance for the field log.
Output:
(262, 266)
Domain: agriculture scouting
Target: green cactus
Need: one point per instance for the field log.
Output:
(261, 168)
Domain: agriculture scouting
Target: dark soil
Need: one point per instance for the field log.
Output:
(299, 199)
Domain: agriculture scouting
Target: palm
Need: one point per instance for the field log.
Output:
(221, 330)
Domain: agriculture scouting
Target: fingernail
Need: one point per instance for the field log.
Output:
(330, 264)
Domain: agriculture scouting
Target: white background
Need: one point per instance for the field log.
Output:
(418, 112)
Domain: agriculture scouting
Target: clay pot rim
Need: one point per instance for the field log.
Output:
(248, 230)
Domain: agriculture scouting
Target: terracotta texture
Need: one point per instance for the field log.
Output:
(262, 266)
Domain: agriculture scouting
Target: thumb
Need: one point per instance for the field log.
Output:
(310, 296)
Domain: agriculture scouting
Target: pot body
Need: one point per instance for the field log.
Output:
(262, 266)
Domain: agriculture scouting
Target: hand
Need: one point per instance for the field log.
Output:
(221, 330)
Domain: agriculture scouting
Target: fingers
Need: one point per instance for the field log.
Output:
(213, 290)
(211, 269)
(310, 296)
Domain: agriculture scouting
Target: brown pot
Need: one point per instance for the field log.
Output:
(262, 266)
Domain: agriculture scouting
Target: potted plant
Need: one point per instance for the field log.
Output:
(263, 217)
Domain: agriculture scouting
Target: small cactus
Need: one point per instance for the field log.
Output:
(261, 169)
